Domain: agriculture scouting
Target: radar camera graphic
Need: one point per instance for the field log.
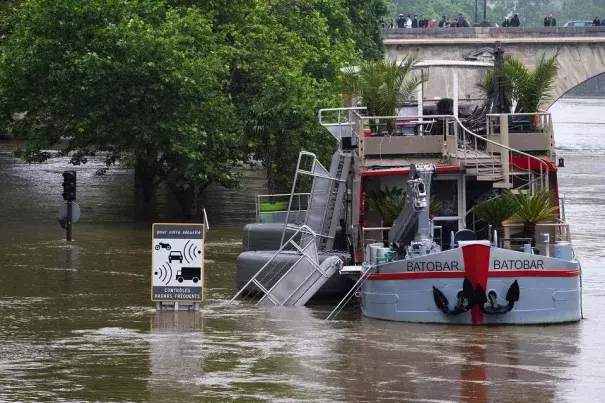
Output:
(191, 251)
(164, 273)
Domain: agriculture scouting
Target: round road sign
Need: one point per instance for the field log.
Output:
(75, 212)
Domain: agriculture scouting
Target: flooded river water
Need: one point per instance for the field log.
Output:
(76, 323)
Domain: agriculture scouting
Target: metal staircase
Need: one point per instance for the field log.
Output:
(326, 197)
(492, 162)
(282, 283)
(339, 170)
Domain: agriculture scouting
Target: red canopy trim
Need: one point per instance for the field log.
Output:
(521, 162)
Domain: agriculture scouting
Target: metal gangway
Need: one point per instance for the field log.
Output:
(283, 283)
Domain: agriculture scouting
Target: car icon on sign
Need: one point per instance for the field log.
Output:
(175, 255)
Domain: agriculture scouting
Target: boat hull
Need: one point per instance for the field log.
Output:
(249, 263)
(549, 289)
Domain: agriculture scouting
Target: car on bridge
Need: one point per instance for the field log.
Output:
(578, 24)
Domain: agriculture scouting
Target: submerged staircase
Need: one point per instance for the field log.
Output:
(284, 283)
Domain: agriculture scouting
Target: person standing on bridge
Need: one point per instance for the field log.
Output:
(506, 23)
(596, 22)
(422, 22)
(415, 21)
(401, 21)
(550, 21)
(514, 22)
(442, 22)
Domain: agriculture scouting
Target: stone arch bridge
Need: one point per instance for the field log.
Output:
(581, 51)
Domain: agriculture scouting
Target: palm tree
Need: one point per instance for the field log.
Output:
(388, 203)
(382, 86)
(529, 88)
(533, 209)
(495, 211)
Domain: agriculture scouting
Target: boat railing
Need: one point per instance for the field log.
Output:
(368, 235)
(384, 137)
(511, 160)
(273, 208)
(557, 231)
(340, 122)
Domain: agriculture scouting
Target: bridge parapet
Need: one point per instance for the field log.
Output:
(505, 35)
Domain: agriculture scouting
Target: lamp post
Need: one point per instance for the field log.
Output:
(484, 23)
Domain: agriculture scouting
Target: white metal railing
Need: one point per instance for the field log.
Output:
(467, 144)
(507, 162)
(340, 122)
(266, 278)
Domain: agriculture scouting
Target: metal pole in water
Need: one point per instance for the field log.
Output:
(69, 220)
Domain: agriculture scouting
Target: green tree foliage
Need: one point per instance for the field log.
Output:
(283, 63)
(366, 32)
(177, 87)
(533, 209)
(132, 80)
(7, 11)
(495, 211)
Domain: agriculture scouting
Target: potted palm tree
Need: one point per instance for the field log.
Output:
(495, 211)
(382, 86)
(533, 209)
(530, 89)
(388, 204)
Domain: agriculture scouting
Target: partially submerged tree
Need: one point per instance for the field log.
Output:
(141, 82)
(183, 91)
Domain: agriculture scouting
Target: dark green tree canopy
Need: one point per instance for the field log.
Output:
(174, 87)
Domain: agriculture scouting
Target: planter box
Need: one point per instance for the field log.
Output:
(401, 145)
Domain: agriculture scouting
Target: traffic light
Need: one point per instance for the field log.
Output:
(69, 185)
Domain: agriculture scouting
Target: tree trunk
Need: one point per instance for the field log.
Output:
(500, 232)
(143, 180)
(189, 199)
(529, 228)
(271, 180)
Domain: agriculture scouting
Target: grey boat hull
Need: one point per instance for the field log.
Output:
(250, 262)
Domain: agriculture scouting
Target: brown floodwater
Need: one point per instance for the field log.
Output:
(76, 323)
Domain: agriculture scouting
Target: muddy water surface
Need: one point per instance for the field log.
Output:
(76, 323)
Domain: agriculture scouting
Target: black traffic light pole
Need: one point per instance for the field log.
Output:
(69, 195)
(69, 215)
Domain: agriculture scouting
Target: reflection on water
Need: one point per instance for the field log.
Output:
(76, 323)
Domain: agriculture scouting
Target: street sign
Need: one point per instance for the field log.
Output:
(75, 212)
(177, 273)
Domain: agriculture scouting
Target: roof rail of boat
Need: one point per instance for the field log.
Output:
(339, 121)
